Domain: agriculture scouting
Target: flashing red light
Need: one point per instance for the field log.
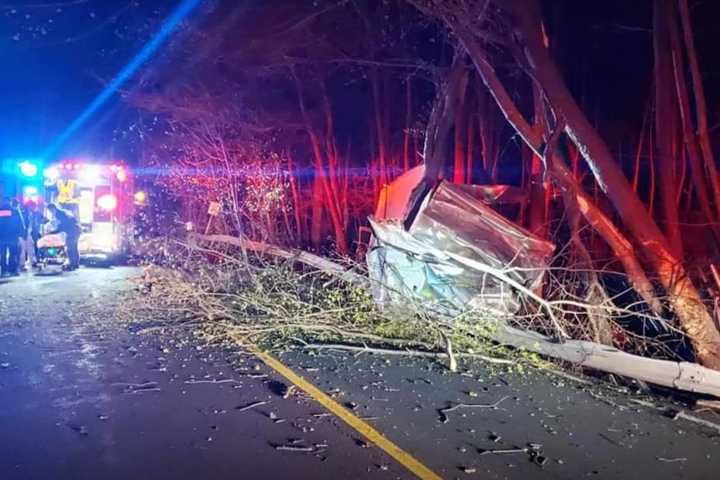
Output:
(107, 202)
(121, 175)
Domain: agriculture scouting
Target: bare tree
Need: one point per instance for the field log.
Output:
(515, 26)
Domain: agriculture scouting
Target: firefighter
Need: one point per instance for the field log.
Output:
(68, 224)
(12, 229)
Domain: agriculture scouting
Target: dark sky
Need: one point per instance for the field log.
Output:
(605, 50)
(56, 58)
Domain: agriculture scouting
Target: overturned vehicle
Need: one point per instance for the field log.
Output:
(453, 252)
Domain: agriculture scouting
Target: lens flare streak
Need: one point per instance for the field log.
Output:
(168, 27)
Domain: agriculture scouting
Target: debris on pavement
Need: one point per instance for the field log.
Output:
(250, 406)
(444, 411)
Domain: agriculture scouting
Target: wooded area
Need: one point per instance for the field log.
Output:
(295, 119)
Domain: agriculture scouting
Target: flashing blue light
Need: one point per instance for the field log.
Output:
(28, 169)
(184, 8)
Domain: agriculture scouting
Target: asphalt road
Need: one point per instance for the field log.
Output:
(85, 396)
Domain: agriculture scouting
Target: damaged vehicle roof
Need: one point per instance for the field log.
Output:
(431, 263)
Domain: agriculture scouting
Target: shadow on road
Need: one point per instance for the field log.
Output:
(46, 273)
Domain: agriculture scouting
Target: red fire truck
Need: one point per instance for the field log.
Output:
(102, 198)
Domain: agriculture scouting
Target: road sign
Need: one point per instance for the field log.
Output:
(214, 209)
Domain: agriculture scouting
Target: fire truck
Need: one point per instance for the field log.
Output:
(101, 197)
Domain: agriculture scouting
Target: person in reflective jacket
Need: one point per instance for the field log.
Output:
(68, 224)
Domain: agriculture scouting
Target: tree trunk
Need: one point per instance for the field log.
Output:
(437, 134)
(638, 155)
(408, 125)
(620, 245)
(538, 198)
(531, 53)
(329, 196)
(533, 138)
(460, 113)
(331, 154)
(297, 203)
(692, 151)
(683, 296)
(470, 150)
(700, 106)
(651, 164)
(595, 295)
(441, 117)
(321, 175)
(316, 223)
(379, 129)
(487, 143)
(666, 114)
(315, 261)
(458, 175)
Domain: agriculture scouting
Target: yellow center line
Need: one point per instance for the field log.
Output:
(375, 437)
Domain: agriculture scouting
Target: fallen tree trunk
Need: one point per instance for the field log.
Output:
(404, 352)
(685, 376)
(315, 261)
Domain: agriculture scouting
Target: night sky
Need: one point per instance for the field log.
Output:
(55, 59)
(605, 50)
